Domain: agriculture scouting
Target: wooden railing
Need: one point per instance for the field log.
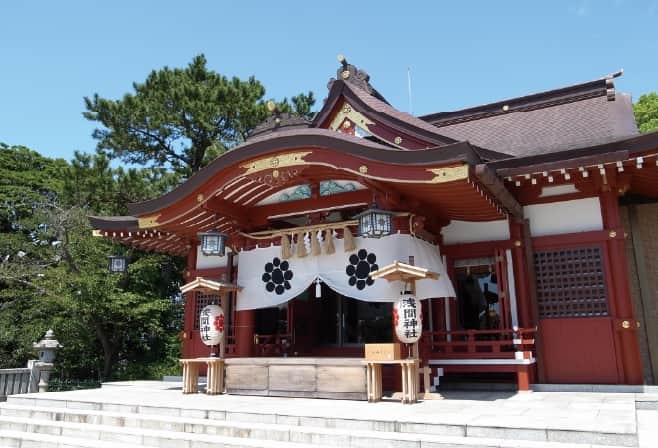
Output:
(272, 344)
(477, 343)
(464, 344)
(16, 381)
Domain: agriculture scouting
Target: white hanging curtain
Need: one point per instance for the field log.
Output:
(267, 280)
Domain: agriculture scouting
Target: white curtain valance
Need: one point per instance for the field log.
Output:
(268, 280)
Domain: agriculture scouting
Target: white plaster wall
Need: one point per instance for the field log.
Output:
(579, 215)
(205, 262)
(472, 232)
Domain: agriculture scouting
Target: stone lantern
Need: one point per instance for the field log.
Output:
(42, 368)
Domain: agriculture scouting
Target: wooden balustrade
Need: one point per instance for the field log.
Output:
(483, 351)
(272, 344)
(477, 343)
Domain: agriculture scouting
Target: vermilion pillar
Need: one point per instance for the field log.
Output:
(244, 333)
(623, 317)
(523, 299)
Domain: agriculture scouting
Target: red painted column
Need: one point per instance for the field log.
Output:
(623, 317)
(189, 307)
(523, 300)
(244, 333)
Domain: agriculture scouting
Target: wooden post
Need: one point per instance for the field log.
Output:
(244, 333)
(222, 342)
(625, 328)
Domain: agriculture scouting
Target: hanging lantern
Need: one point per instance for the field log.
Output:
(117, 263)
(211, 324)
(408, 319)
(375, 223)
(213, 243)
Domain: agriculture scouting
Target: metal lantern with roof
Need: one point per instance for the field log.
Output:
(375, 223)
(117, 263)
(213, 243)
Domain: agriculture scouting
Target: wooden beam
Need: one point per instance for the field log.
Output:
(228, 209)
(259, 215)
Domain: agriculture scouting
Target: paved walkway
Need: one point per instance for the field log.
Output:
(607, 413)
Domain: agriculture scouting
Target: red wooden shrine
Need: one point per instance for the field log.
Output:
(529, 202)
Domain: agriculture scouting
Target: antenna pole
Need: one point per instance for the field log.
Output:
(409, 85)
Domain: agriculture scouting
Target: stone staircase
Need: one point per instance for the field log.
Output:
(27, 421)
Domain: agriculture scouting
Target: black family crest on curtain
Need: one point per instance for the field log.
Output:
(277, 276)
(361, 265)
(268, 280)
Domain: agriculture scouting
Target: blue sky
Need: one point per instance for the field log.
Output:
(459, 53)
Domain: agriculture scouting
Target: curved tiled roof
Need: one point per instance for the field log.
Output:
(299, 139)
(581, 115)
(278, 122)
(371, 102)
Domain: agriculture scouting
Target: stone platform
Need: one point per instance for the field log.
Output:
(338, 378)
(131, 414)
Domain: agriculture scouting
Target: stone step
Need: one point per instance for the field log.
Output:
(14, 416)
(115, 436)
(494, 430)
(18, 439)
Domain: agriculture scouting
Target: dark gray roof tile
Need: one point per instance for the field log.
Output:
(548, 129)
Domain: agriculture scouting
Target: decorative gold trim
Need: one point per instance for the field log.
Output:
(612, 234)
(200, 197)
(347, 111)
(449, 174)
(148, 222)
(397, 140)
(96, 232)
(278, 161)
(363, 169)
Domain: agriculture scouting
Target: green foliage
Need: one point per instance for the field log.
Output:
(53, 272)
(58, 385)
(646, 112)
(182, 118)
(90, 182)
(28, 246)
(175, 116)
(300, 104)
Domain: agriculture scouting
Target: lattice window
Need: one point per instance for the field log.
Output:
(201, 300)
(571, 283)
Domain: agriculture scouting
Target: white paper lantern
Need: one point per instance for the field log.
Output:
(211, 324)
(408, 319)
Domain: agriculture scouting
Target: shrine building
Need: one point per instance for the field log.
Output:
(536, 215)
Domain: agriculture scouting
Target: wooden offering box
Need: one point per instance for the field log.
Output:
(383, 352)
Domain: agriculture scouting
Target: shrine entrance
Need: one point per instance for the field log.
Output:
(328, 325)
(333, 324)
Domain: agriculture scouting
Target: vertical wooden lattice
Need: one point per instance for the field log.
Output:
(571, 283)
(201, 300)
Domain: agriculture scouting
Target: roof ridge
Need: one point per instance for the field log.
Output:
(354, 76)
(548, 98)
